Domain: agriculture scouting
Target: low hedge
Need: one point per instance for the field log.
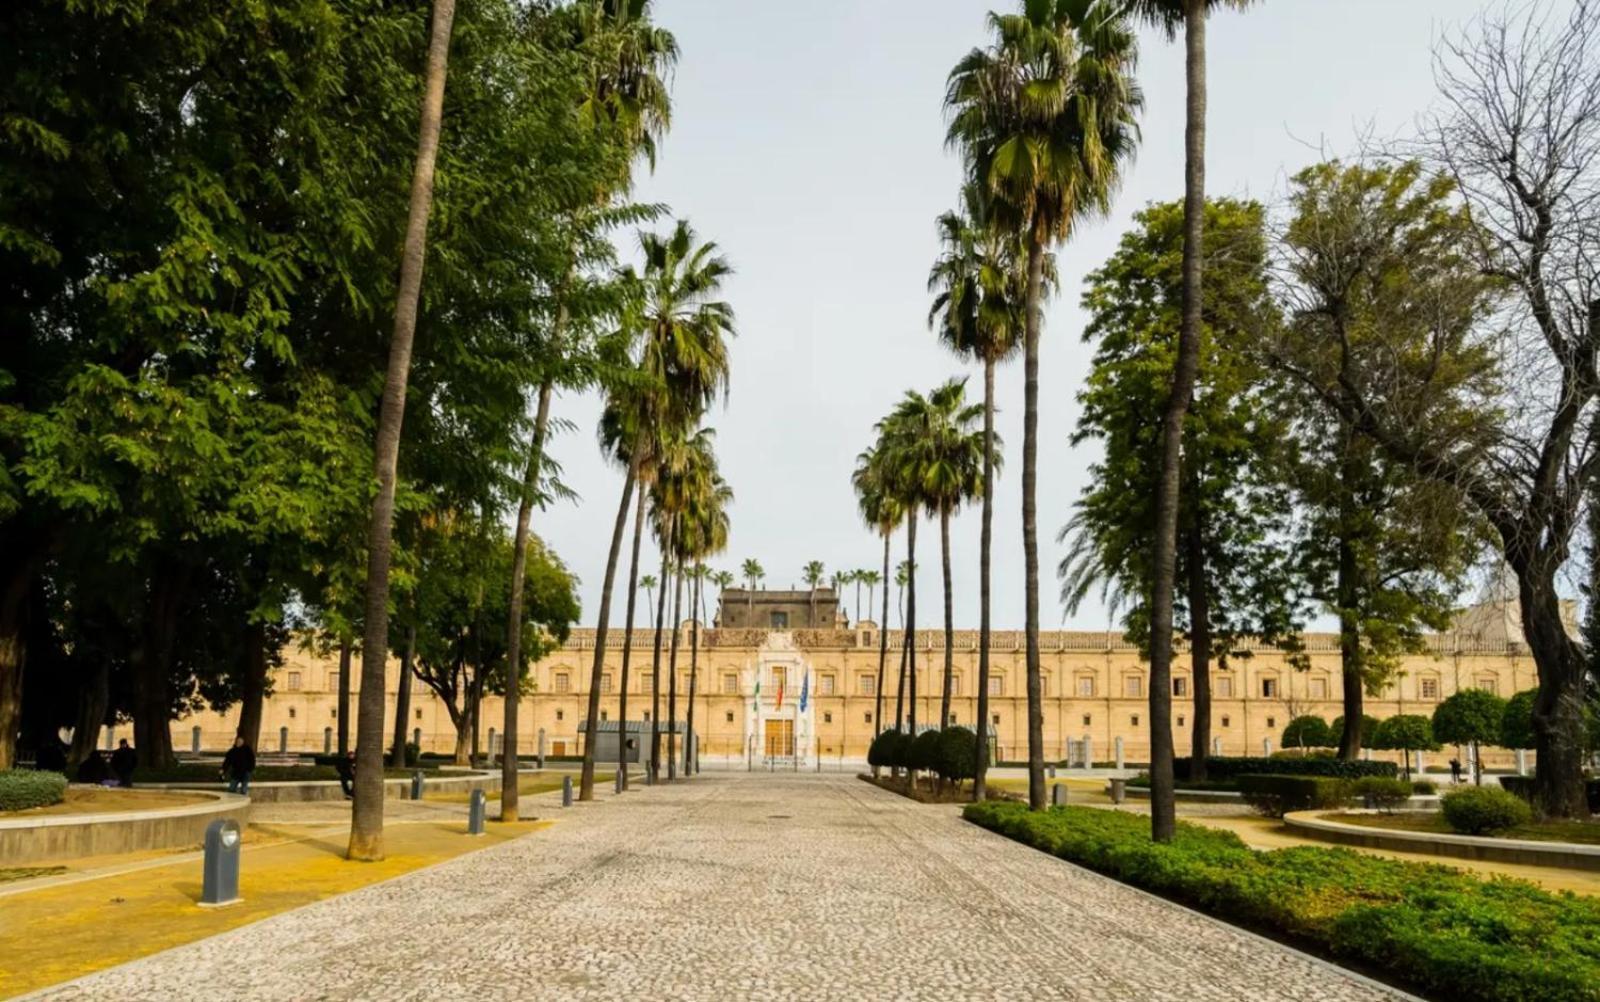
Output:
(1276, 796)
(1484, 810)
(1382, 792)
(1225, 768)
(21, 789)
(1441, 932)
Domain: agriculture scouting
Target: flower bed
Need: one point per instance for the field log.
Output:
(1432, 928)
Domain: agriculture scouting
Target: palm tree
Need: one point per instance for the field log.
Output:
(883, 513)
(705, 533)
(812, 574)
(722, 579)
(1044, 117)
(648, 583)
(902, 577)
(366, 816)
(753, 573)
(682, 367)
(1169, 15)
(872, 579)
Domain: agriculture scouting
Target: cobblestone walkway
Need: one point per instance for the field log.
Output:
(733, 887)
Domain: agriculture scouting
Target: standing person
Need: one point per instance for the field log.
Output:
(1455, 770)
(123, 761)
(237, 766)
(347, 774)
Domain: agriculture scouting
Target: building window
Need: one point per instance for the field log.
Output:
(605, 683)
(1226, 721)
(730, 684)
(867, 718)
(419, 714)
(563, 682)
(996, 720)
(730, 716)
(647, 683)
(1135, 720)
(1430, 688)
(952, 721)
(955, 684)
(1180, 686)
(1489, 684)
(997, 685)
(333, 681)
(1180, 720)
(294, 681)
(561, 715)
(825, 685)
(1269, 688)
(779, 620)
(1132, 686)
(1272, 722)
(647, 716)
(1224, 687)
(827, 718)
(1086, 685)
(291, 713)
(334, 714)
(1319, 688)
(603, 715)
(1088, 720)
(867, 638)
(867, 685)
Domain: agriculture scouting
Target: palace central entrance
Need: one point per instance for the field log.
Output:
(780, 738)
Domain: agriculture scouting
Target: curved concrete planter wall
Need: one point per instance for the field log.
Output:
(285, 793)
(1567, 855)
(69, 836)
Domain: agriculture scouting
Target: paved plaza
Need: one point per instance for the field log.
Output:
(735, 886)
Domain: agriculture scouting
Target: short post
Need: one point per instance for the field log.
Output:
(1266, 747)
(1058, 795)
(327, 741)
(1522, 761)
(416, 785)
(541, 748)
(475, 810)
(1216, 746)
(416, 738)
(220, 883)
(1117, 745)
(566, 791)
(1050, 772)
(283, 740)
(493, 747)
(1421, 765)
(1119, 789)
(194, 739)
(618, 783)
(1088, 752)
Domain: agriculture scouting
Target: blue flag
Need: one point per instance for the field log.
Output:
(805, 692)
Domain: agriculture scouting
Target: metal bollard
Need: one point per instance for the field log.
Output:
(1058, 795)
(475, 811)
(1119, 790)
(618, 783)
(416, 785)
(220, 884)
(1051, 771)
(649, 777)
(566, 791)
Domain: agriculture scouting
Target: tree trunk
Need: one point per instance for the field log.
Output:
(402, 700)
(655, 665)
(253, 684)
(94, 699)
(152, 699)
(1348, 590)
(1199, 645)
(344, 697)
(1030, 520)
(694, 668)
(591, 726)
(986, 540)
(949, 623)
(1558, 717)
(366, 824)
(509, 780)
(672, 676)
(13, 655)
(627, 640)
(1163, 813)
(463, 722)
(883, 644)
(911, 619)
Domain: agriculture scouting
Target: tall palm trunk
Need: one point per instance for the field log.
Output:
(911, 619)
(402, 700)
(883, 644)
(655, 665)
(949, 621)
(1163, 813)
(1199, 646)
(627, 642)
(694, 669)
(1030, 520)
(509, 794)
(979, 783)
(672, 676)
(343, 739)
(591, 725)
(366, 822)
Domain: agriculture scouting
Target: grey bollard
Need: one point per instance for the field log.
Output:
(1119, 790)
(1051, 772)
(618, 783)
(1522, 761)
(1088, 752)
(649, 776)
(195, 740)
(283, 740)
(475, 808)
(566, 791)
(1058, 795)
(1216, 747)
(327, 741)
(220, 883)
(416, 785)
(1266, 747)
(1117, 744)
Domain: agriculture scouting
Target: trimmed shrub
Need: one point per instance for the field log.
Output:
(1441, 932)
(1382, 792)
(1276, 796)
(1369, 729)
(958, 754)
(1309, 731)
(1424, 787)
(1484, 810)
(880, 754)
(21, 789)
(922, 752)
(1225, 768)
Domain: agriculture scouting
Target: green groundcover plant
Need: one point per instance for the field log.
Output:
(1440, 931)
(21, 789)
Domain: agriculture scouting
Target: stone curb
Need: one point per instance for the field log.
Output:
(67, 836)
(1528, 852)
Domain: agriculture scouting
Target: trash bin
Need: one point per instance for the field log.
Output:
(1119, 790)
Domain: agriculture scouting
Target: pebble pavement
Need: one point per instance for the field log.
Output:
(735, 886)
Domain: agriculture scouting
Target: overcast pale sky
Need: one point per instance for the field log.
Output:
(808, 142)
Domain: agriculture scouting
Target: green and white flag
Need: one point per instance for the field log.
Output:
(757, 703)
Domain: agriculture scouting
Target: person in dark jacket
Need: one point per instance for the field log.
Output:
(347, 774)
(123, 761)
(93, 769)
(237, 766)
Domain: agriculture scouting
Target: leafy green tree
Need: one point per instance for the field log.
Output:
(1308, 731)
(1044, 118)
(1235, 565)
(1406, 733)
(1470, 717)
(1368, 725)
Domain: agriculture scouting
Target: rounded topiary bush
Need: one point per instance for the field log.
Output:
(923, 755)
(880, 753)
(1484, 810)
(958, 754)
(21, 789)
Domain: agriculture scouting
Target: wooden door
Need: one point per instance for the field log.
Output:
(558, 748)
(780, 738)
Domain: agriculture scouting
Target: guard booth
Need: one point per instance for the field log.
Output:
(636, 734)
